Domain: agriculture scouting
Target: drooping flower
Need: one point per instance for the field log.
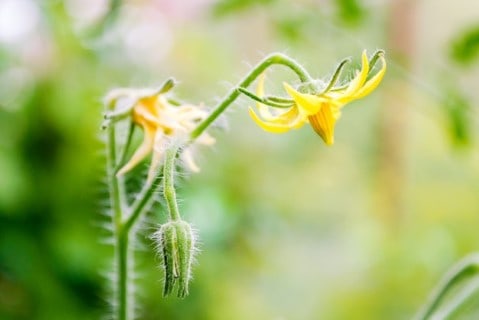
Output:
(162, 124)
(320, 110)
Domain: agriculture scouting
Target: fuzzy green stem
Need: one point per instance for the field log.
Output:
(169, 183)
(142, 202)
(122, 256)
(275, 58)
(121, 238)
(466, 268)
(123, 225)
(114, 187)
(146, 194)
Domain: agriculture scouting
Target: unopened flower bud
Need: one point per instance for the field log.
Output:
(175, 242)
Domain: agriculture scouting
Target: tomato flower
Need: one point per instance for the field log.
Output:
(321, 110)
(162, 124)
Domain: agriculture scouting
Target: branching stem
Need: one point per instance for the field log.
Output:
(125, 217)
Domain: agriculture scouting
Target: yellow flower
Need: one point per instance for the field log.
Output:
(322, 110)
(162, 124)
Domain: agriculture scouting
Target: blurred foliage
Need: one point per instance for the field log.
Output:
(351, 11)
(290, 229)
(465, 46)
(106, 21)
(227, 7)
(458, 115)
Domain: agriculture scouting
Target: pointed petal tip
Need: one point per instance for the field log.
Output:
(329, 142)
(290, 90)
(364, 54)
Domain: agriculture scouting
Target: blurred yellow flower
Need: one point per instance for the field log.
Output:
(322, 110)
(162, 124)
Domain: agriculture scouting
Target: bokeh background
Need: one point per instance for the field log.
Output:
(289, 228)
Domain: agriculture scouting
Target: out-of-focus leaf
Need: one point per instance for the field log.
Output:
(107, 20)
(465, 46)
(457, 108)
(350, 11)
(291, 27)
(225, 7)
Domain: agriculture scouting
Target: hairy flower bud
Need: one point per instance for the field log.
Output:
(175, 242)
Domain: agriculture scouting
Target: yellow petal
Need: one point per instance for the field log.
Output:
(360, 78)
(143, 150)
(144, 115)
(264, 112)
(272, 126)
(263, 109)
(291, 118)
(260, 87)
(308, 104)
(372, 83)
(324, 121)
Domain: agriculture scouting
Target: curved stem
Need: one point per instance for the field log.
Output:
(169, 183)
(275, 58)
(465, 268)
(461, 298)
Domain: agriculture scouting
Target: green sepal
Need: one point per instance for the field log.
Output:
(185, 256)
(169, 247)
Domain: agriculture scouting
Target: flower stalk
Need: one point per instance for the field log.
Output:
(169, 184)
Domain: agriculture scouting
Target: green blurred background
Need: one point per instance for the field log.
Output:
(289, 228)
